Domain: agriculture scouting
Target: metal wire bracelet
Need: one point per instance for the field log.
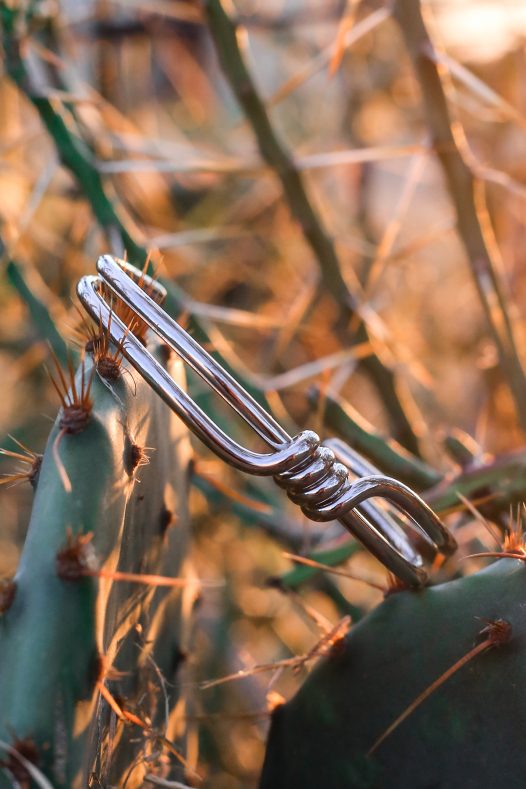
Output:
(326, 480)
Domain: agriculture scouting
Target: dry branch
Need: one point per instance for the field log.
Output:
(472, 223)
(226, 36)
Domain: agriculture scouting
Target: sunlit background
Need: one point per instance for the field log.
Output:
(182, 164)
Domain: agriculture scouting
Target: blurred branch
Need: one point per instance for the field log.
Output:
(294, 17)
(226, 36)
(177, 16)
(497, 482)
(324, 58)
(175, 163)
(462, 448)
(76, 157)
(71, 148)
(388, 455)
(502, 481)
(473, 224)
(479, 88)
(39, 312)
(271, 520)
(36, 296)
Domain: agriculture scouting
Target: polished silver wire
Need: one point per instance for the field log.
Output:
(316, 476)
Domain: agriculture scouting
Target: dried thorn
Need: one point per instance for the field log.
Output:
(76, 409)
(107, 671)
(107, 696)
(148, 580)
(518, 554)
(497, 632)
(30, 459)
(249, 672)
(129, 717)
(514, 537)
(472, 507)
(107, 357)
(35, 471)
(76, 406)
(109, 368)
(327, 568)
(126, 314)
(331, 640)
(83, 335)
(322, 647)
(63, 474)
(136, 457)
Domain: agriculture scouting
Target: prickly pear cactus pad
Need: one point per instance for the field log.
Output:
(80, 648)
(426, 691)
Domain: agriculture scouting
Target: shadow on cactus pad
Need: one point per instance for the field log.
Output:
(468, 731)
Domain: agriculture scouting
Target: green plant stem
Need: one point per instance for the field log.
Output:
(37, 308)
(461, 447)
(474, 230)
(224, 33)
(503, 478)
(388, 455)
(273, 522)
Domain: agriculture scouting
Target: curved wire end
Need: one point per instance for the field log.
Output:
(398, 528)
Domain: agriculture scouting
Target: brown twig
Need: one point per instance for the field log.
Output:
(325, 643)
(129, 717)
(304, 560)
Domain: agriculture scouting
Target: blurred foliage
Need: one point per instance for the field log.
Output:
(119, 130)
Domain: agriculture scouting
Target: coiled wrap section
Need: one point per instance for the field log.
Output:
(322, 486)
(316, 481)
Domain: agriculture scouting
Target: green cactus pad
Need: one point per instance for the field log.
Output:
(54, 632)
(468, 733)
